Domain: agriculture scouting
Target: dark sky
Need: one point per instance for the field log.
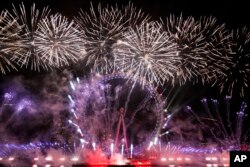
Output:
(234, 13)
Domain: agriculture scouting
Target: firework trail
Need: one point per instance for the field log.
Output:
(147, 53)
(26, 49)
(58, 42)
(201, 43)
(221, 129)
(9, 29)
(236, 76)
(102, 28)
(179, 129)
(97, 102)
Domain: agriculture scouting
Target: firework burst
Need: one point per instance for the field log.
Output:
(58, 41)
(201, 56)
(26, 48)
(9, 29)
(218, 45)
(147, 53)
(236, 76)
(184, 31)
(110, 39)
(102, 28)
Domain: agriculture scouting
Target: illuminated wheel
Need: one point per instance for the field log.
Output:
(95, 104)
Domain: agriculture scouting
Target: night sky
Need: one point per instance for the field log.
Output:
(232, 12)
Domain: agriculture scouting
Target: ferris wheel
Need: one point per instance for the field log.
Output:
(114, 113)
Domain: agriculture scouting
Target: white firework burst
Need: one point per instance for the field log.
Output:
(184, 31)
(218, 45)
(235, 78)
(58, 42)
(147, 53)
(102, 28)
(9, 29)
(201, 56)
(26, 54)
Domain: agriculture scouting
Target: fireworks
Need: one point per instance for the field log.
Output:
(133, 17)
(235, 78)
(25, 50)
(218, 46)
(102, 29)
(9, 29)
(58, 41)
(147, 53)
(187, 36)
(96, 122)
(110, 39)
(117, 110)
(202, 44)
(221, 127)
